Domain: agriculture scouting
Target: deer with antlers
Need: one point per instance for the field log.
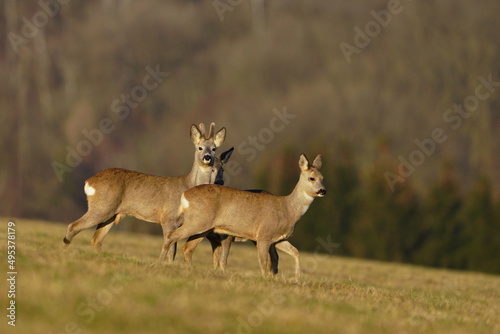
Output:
(115, 193)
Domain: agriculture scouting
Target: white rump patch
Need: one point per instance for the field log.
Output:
(184, 202)
(89, 190)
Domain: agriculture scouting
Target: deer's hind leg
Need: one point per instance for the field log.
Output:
(170, 239)
(103, 229)
(288, 248)
(88, 220)
(273, 259)
(189, 248)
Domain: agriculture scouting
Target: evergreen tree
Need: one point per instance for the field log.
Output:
(389, 222)
(482, 229)
(442, 228)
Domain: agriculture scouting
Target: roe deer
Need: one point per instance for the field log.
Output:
(265, 218)
(115, 193)
(221, 244)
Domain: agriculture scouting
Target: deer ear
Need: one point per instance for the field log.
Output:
(219, 137)
(224, 156)
(303, 162)
(202, 130)
(195, 134)
(317, 162)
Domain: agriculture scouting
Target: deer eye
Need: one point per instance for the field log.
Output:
(312, 179)
(214, 149)
(200, 148)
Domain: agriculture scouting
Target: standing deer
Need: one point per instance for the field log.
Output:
(115, 193)
(265, 218)
(221, 244)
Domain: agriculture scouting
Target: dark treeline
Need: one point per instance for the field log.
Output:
(402, 98)
(440, 227)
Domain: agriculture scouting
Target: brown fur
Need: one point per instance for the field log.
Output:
(265, 218)
(120, 192)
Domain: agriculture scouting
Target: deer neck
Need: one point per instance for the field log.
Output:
(298, 202)
(200, 174)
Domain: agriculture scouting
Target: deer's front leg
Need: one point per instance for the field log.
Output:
(263, 252)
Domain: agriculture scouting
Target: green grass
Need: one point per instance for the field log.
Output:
(124, 290)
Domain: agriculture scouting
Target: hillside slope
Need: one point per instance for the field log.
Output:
(123, 290)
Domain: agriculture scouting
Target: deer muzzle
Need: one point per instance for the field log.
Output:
(207, 158)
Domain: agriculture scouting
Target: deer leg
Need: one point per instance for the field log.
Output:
(86, 221)
(170, 239)
(189, 247)
(224, 253)
(166, 251)
(288, 248)
(167, 226)
(273, 259)
(216, 250)
(102, 230)
(263, 252)
(172, 251)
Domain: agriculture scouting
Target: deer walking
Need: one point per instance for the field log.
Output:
(115, 193)
(265, 218)
(221, 244)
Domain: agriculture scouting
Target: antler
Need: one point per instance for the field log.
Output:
(203, 132)
(212, 130)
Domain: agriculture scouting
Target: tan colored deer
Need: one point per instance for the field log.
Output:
(265, 218)
(115, 193)
(221, 244)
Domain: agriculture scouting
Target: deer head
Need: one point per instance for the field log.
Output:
(311, 178)
(206, 145)
(218, 167)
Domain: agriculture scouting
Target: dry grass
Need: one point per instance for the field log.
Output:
(123, 290)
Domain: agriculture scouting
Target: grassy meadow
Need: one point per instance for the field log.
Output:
(123, 290)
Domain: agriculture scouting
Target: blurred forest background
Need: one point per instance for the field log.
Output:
(78, 95)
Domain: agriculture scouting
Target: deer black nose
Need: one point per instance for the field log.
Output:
(219, 182)
(207, 158)
(322, 192)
